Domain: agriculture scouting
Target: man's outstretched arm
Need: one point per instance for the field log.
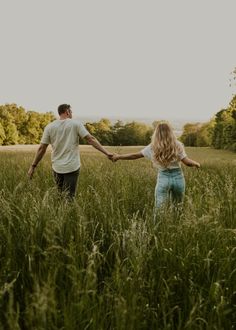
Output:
(97, 145)
(39, 155)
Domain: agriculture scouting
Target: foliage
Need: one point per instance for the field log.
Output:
(189, 135)
(102, 130)
(220, 132)
(198, 134)
(18, 126)
(120, 134)
(224, 135)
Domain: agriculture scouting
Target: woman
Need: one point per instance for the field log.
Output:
(166, 153)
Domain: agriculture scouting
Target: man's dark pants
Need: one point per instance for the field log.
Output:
(67, 182)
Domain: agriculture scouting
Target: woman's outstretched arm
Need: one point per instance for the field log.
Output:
(132, 156)
(189, 162)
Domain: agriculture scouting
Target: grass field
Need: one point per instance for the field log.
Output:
(102, 262)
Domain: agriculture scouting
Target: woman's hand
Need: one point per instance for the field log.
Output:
(115, 157)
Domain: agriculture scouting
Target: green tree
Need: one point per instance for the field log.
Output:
(102, 130)
(20, 126)
(134, 133)
(10, 129)
(198, 134)
(204, 134)
(117, 132)
(2, 134)
(189, 135)
(19, 118)
(224, 134)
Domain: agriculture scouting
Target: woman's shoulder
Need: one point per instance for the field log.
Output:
(147, 151)
(148, 147)
(179, 143)
(181, 150)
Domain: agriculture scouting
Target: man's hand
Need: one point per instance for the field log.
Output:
(110, 155)
(115, 157)
(39, 155)
(31, 171)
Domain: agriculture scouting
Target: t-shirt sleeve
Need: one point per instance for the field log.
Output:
(46, 136)
(182, 153)
(147, 152)
(82, 131)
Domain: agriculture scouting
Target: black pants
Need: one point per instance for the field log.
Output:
(67, 182)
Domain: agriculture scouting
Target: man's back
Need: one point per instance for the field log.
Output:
(63, 135)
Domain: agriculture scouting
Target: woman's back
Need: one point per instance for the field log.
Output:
(175, 163)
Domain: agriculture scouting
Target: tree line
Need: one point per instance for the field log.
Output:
(121, 134)
(18, 126)
(219, 132)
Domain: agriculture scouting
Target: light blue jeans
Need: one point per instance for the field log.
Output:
(170, 186)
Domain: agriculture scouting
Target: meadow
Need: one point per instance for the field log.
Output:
(102, 262)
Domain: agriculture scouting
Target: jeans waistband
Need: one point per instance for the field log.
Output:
(171, 170)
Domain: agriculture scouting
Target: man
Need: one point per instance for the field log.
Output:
(63, 135)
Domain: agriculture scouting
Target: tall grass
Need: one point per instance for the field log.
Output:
(102, 262)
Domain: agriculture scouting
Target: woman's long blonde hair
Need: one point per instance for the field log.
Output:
(164, 144)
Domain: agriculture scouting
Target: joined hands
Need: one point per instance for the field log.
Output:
(113, 157)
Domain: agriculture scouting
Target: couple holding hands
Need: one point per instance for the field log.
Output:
(165, 152)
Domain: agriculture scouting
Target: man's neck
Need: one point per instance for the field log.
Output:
(63, 116)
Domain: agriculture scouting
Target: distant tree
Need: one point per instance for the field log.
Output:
(224, 135)
(189, 135)
(117, 132)
(46, 118)
(102, 130)
(10, 129)
(204, 134)
(11, 134)
(19, 118)
(34, 131)
(2, 134)
(134, 133)
(20, 126)
(91, 128)
(148, 135)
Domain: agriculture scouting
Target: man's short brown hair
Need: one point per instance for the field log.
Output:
(62, 108)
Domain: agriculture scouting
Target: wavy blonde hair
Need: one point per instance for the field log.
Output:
(164, 145)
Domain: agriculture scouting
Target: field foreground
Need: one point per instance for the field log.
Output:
(102, 262)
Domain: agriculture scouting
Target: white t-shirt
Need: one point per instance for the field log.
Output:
(148, 153)
(64, 135)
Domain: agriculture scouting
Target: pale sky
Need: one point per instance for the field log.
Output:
(128, 58)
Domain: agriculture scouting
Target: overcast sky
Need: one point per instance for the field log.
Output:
(127, 58)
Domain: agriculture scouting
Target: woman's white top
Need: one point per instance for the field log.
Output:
(147, 152)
